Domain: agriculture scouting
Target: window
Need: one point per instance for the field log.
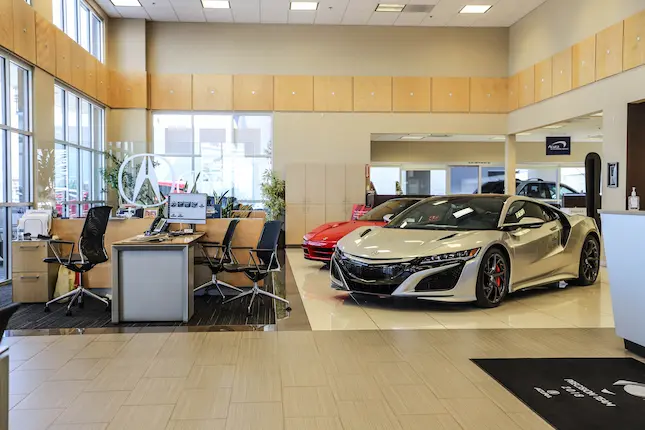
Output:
(529, 211)
(78, 154)
(230, 152)
(81, 23)
(15, 153)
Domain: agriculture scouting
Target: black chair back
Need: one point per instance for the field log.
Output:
(5, 316)
(269, 241)
(91, 243)
(228, 240)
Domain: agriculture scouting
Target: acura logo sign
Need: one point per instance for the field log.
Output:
(146, 171)
(558, 145)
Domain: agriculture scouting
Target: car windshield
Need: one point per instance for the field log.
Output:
(452, 213)
(391, 207)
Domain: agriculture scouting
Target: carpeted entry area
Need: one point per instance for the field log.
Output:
(576, 393)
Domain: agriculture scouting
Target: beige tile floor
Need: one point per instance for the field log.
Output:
(306, 380)
(328, 309)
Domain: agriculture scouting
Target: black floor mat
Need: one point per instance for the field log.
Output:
(576, 393)
(209, 311)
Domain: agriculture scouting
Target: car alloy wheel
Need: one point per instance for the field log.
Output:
(589, 262)
(492, 284)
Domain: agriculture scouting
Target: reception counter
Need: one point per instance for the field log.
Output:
(624, 237)
(247, 234)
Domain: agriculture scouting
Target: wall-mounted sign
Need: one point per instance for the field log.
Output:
(146, 175)
(558, 145)
(612, 175)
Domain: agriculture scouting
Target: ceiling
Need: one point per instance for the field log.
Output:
(504, 13)
(582, 129)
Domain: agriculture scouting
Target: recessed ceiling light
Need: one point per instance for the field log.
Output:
(554, 126)
(134, 3)
(216, 4)
(304, 5)
(389, 7)
(411, 137)
(475, 8)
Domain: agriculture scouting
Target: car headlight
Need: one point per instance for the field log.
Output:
(458, 255)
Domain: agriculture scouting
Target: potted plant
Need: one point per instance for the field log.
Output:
(273, 195)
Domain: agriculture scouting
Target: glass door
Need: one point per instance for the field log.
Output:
(464, 179)
(424, 182)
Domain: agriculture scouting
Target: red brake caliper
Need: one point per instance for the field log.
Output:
(499, 278)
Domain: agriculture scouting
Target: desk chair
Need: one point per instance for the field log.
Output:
(5, 315)
(91, 252)
(224, 255)
(262, 261)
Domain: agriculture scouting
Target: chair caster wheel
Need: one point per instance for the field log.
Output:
(47, 310)
(68, 313)
(81, 305)
(288, 308)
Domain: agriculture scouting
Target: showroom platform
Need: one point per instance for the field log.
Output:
(328, 309)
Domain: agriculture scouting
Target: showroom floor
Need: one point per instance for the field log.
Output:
(305, 380)
(328, 309)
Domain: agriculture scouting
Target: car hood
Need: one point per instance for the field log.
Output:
(334, 231)
(391, 243)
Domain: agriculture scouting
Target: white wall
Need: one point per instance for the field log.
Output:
(571, 21)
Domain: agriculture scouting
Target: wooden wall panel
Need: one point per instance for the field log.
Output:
(634, 41)
(489, 95)
(333, 93)
(102, 82)
(128, 90)
(6, 24)
(293, 93)
(562, 73)
(450, 94)
(372, 93)
(171, 92)
(78, 66)
(411, 94)
(253, 92)
(583, 63)
(45, 45)
(526, 87)
(24, 30)
(543, 80)
(609, 51)
(513, 93)
(213, 92)
(90, 74)
(63, 57)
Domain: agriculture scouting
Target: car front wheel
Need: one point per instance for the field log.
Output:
(493, 279)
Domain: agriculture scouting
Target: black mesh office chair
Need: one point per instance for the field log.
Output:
(223, 255)
(262, 261)
(91, 252)
(5, 315)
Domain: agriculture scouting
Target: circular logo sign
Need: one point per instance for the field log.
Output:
(146, 171)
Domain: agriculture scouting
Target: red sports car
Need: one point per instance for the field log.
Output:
(319, 244)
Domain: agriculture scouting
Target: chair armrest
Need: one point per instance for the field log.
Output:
(261, 250)
(57, 255)
(211, 245)
(273, 257)
(241, 247)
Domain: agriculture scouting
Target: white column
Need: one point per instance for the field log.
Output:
(614, 149)
(510, 163)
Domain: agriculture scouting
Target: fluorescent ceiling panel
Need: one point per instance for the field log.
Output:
(216, 4)
(132, 3)
(386, 7)
(475, 8)
(304, 5)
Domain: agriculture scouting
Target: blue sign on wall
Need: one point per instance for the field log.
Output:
(558, 145)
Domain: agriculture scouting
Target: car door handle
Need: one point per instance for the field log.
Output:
(554, 228)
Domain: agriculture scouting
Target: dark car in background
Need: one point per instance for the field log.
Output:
(534, 188)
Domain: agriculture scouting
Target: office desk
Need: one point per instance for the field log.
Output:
(153, 281)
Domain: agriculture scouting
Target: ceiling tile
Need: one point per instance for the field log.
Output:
(133, 12)
(190, 15)
(108, 8)
(246, 11)
(383, 18)
(218, 15)
(147, 4)
(162, 14)
(302, 16)
(359, 12)
(331, 11)
(274, 11)
(410, 19)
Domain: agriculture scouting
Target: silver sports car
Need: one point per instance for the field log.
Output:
(468, 248)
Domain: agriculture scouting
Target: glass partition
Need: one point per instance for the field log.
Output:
(464, 179)
(384, 179)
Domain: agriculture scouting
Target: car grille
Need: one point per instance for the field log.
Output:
(441, 281)
(380, 289)
(380, 279)
(382, 272)
(319, 252)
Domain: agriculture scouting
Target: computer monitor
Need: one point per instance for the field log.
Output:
(187, 208)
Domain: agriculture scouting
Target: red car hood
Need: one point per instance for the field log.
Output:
(334, 231)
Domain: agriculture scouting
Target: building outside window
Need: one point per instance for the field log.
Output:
(230, 152)
(81, 23)
(15, 153)
(78, 135)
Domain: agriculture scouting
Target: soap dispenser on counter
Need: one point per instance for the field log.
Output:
(633, 201)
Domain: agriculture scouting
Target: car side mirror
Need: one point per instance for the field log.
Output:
(388, 217)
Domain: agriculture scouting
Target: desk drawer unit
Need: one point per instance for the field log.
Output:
(33, 280)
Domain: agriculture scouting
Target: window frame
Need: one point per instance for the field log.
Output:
(76, 32)
(97, 195)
